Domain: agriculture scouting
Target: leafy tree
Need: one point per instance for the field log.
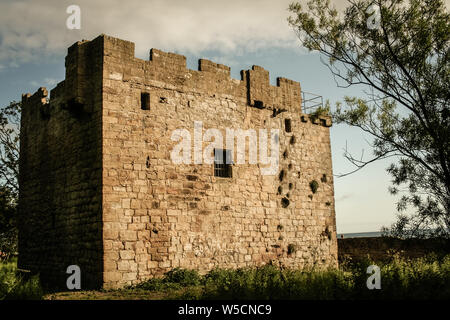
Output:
(9, 146)
(398, 51)
(8, 227)
(9, 170)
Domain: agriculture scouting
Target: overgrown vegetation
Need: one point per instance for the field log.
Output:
(174, 279)
(9, 168)
(424, 278)
(401, 278)
(321, 111)
(8, 229)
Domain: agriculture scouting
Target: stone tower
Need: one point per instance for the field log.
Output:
(99, 187)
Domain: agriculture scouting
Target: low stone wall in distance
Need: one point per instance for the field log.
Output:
(378, 248)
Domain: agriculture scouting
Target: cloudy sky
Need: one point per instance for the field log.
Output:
(34, 40)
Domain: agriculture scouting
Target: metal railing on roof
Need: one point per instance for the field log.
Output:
(311, 102)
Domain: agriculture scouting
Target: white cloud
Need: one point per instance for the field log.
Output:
(50, 82)
(30, 29)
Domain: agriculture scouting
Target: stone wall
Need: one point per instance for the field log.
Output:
(382, 249)
(159, 215)
(99, 187)
(60, 201)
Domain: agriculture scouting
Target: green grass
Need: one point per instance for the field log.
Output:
(422, 278)
(16, 286)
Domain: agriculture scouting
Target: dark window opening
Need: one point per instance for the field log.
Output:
(259, 104)
(292, 140)
(145, 101)
(222, 163)
(287, 125)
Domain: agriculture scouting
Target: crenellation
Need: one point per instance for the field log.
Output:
(39, 97)
(168, 60)
(117, 48)
(209, 66)
(36, 106)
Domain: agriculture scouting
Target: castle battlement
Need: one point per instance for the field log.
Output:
(169, 69)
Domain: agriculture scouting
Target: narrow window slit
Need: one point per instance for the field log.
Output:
(287, 125)
(145, 101)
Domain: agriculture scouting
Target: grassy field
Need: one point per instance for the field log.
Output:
(422, 278)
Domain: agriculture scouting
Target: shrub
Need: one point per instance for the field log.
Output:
(174, 279)
(183, 276)
(270, 282)
(425, 278)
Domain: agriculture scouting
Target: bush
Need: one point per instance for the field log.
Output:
(419, 279)
(174, 279)
(183, 276)
(8, 244)
(425, 278)
(270, 282)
